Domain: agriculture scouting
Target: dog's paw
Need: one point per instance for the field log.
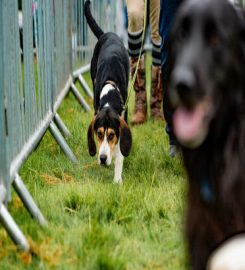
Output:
(117, 180)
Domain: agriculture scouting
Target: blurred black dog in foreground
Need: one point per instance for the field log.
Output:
(207, 81)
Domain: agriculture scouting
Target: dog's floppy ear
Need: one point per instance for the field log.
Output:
(90, 137)
(125, 138)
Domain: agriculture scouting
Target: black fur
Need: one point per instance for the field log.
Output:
(208, 39)
(107, 118)
(91, 22)
(110, 62)
(91, 141)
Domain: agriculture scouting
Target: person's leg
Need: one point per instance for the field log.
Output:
(156, 78)
(168, 111)
(135, 9)
(167, 13)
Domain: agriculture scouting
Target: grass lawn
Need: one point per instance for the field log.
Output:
(93, 223)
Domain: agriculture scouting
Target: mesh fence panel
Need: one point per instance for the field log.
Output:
(83, 40)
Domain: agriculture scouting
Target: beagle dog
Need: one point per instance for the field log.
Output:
(110, 75)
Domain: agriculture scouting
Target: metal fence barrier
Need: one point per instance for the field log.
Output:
(37, 69)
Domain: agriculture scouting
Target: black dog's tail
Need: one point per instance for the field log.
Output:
(91, 21)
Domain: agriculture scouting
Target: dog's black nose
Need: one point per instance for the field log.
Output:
(103, 159)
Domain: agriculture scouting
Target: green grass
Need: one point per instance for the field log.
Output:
(94, 223)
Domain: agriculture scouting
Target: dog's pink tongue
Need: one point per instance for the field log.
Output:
(187, 123)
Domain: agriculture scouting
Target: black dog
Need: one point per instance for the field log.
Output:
(207, 60)
(110, 75)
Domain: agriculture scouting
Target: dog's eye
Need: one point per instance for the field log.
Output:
(184, 29)
(111, 136)
(100, 135)
(210, 33)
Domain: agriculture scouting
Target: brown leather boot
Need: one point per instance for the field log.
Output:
(140, 107)
(156, 93)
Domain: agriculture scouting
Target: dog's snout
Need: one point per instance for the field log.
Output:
(183, 88)
(103, 159)
(183, 81)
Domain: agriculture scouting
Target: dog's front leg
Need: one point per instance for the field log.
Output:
(118, 166)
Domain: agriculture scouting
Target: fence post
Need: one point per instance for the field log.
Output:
(5, 218)
(13, 230)
(78, 74)
(61, 125)
(61, 141)
(28, 200)
(4, 176)
(80, 98)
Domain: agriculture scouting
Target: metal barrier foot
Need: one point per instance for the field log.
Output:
(61, 141)
(79, 97)
(85, 86)
(27, 199)
(12, 228)
(61, 125)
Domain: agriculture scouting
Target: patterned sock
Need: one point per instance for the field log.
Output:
(156, 54)
(134, 43)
